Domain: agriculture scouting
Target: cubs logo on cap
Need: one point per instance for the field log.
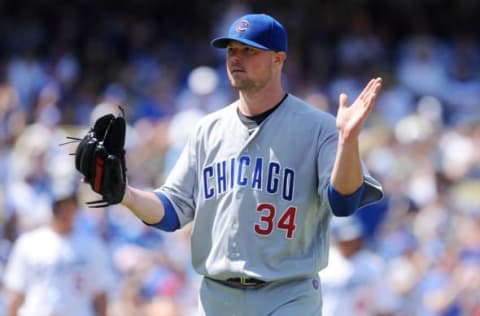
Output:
(242, 26)
(257, 30)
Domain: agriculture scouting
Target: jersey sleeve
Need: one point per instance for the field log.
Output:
(373, 189)
(16, 271)
(180, 186)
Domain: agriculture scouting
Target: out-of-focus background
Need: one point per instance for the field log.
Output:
(63, 64)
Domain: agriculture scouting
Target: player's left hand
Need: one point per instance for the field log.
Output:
(350, 119)
(100, 157)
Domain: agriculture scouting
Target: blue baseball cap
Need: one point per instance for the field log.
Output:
(257, 30)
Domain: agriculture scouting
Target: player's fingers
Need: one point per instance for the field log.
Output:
(343, 100)
(374, 90)
(373, 86)
(369, 102)
(364, 94)
(378, 85)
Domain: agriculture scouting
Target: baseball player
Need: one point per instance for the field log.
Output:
(354, 281)
(58, 270)
(261, 179)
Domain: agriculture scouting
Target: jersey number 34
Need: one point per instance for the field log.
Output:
(268, 220)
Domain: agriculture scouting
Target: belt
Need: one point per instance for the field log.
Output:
(242, 283)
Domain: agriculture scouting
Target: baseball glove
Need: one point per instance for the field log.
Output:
(100, 158)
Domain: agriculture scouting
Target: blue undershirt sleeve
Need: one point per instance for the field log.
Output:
(170, 221)
(344, 205)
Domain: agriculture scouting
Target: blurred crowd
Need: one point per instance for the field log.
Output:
(62, 69)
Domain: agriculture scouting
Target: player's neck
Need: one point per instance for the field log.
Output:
(252, 104)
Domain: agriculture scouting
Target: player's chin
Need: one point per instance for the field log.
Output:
(235, 83)
(237, 76)
(238, 82)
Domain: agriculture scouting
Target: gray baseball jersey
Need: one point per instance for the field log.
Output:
(259, 200)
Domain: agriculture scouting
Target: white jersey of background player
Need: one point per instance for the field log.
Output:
(55, 270)
(354, 282)
(256, 178)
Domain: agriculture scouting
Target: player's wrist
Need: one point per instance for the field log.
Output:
(127, 196)
(348, 138)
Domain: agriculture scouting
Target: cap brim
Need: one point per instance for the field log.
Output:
(222, 42)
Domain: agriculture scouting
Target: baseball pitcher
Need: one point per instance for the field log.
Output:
(260, 179)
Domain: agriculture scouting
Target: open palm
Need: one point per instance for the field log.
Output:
(350, 119)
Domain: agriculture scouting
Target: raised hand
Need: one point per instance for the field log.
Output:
(350, 119)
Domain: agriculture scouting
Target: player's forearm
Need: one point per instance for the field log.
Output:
(100, 304)
(144, 204)
(15, 301)
(347, 175)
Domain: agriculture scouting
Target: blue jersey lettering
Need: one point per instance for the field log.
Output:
(218, 178)
(207, 173)
(244, 160)
(288, 184)
(257, 174)
(222, 176)
(272, 177)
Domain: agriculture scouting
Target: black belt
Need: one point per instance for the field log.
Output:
(242, 283)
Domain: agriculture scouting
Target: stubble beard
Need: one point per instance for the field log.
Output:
(246, 85)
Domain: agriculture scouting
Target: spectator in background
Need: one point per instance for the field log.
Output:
(422, 65)
(27, 75)
(354, 281)
(200, 96)
(54, 270)
(360, 47)
(462, 94)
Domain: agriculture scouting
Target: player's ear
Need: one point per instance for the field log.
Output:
(279, 57)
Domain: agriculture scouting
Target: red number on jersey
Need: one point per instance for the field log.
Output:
(269, 209)
(287, 221)
(267, 221)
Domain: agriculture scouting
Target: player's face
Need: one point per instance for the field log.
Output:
(67, 212)
(249, 68)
